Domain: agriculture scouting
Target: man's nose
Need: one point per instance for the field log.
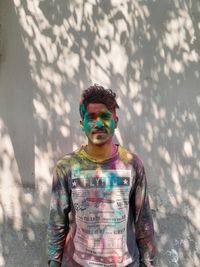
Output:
(99, 123)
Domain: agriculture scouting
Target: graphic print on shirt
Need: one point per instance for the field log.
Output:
(101, 202)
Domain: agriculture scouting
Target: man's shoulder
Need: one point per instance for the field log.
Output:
(66, 161)
(130, 157)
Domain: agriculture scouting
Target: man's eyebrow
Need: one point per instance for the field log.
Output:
(91, 113)
(98, 113)
(106, 112)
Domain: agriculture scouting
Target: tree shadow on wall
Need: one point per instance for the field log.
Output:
(150, 59)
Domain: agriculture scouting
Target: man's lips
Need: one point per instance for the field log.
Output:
(99, 132)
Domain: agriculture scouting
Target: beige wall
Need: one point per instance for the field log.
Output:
(148, 52)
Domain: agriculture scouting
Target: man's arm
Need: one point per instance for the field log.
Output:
(58, 218)
(143, 219)
(54, 264)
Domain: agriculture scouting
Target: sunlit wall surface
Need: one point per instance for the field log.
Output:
(148, 51)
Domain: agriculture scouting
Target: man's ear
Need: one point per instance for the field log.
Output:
(116, 121)
(81, 124)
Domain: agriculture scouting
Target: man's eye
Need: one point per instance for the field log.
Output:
(105, 116)
(90, 118)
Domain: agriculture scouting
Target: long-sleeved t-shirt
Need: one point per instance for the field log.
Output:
(100, 213)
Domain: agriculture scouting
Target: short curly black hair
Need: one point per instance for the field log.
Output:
(97, 94)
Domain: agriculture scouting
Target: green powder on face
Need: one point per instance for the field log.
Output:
(99, 123)
(105, 118)
(86, 124)
(112, 125)
(83, 110)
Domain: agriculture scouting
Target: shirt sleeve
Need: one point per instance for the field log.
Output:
(144, 229)
(58, 217)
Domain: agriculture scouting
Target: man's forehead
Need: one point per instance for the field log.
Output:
(97, 108)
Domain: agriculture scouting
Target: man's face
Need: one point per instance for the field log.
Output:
(99, 124)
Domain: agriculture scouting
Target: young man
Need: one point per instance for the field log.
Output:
(99, 213)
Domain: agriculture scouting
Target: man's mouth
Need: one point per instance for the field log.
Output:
(103, 131)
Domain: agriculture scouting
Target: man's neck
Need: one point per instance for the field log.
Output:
(102, 152)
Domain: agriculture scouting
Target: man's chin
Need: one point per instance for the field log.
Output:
(99, 142)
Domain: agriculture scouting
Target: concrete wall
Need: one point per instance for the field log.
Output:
(148, 52)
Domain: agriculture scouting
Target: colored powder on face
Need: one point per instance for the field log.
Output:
(112, 125)
(86, 124)
(99, 123)
(83, 110)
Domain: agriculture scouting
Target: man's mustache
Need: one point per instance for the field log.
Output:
(100, 129)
